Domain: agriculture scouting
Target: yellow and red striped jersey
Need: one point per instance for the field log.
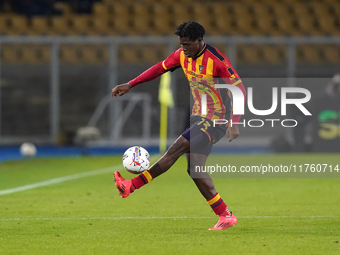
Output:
(202, 73)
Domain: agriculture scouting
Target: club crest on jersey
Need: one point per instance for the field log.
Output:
(200, 68)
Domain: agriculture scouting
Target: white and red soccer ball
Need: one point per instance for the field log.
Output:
(136, 159)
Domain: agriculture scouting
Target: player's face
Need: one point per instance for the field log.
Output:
(190, 48)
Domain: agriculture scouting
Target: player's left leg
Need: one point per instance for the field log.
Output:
(126, 187)
(207, 188)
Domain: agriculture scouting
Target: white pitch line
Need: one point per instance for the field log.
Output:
(59, 180)
(159, 217)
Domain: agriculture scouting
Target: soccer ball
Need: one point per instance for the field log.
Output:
(136, 159)
(28, 150)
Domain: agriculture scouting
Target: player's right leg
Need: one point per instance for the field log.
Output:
(126, 187)
(206, 186)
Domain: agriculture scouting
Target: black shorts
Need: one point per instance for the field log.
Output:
(202, 135)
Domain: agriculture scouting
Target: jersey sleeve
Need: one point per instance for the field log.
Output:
(171, 63)
(225, 71)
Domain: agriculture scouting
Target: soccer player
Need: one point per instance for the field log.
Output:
(202, 65)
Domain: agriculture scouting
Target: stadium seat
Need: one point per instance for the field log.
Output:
(288, 26)
(13, 53)
(248, 54)
(17, 25)
(291, 2)
(29, 54)
(100, 10)
(251, 1)
(61, 26)
(305, 16)
(274, 54)
(101, 26)
(171, 1)
(308, 54)
(240, 10)
(121, 18)
(223, 25)
(307, 25)
(101, 21)
(127, 54)
(320, 10)
(280, 10)
(162, 19)
(220, 9)
(300, 9)
(88, 54)
(70, 54)
(9, 53)
(111, 1)
(327, 25)
(202, 14)
(147, 54)
(66, 8)
(223, 19)
(331, 53)
(336, 8)
(141, 19)
(102, 52)
(243, 22)
(265, 24)
(4, 24)
(259, 9)
(39, 26)
(80, 24)
(180, 13)
(43, 53)
(244, 26)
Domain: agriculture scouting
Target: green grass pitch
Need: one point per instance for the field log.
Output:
(168, 216)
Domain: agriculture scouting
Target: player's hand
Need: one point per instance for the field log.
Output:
(121, 89)
(233, 132)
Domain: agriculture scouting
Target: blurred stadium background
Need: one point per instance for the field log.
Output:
(60, 60)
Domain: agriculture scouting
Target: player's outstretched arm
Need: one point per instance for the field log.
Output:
(121, 89)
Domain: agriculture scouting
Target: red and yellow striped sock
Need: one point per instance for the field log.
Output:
(141, 180)
(218, 206)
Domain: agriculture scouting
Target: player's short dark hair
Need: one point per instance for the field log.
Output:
(191, 30)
